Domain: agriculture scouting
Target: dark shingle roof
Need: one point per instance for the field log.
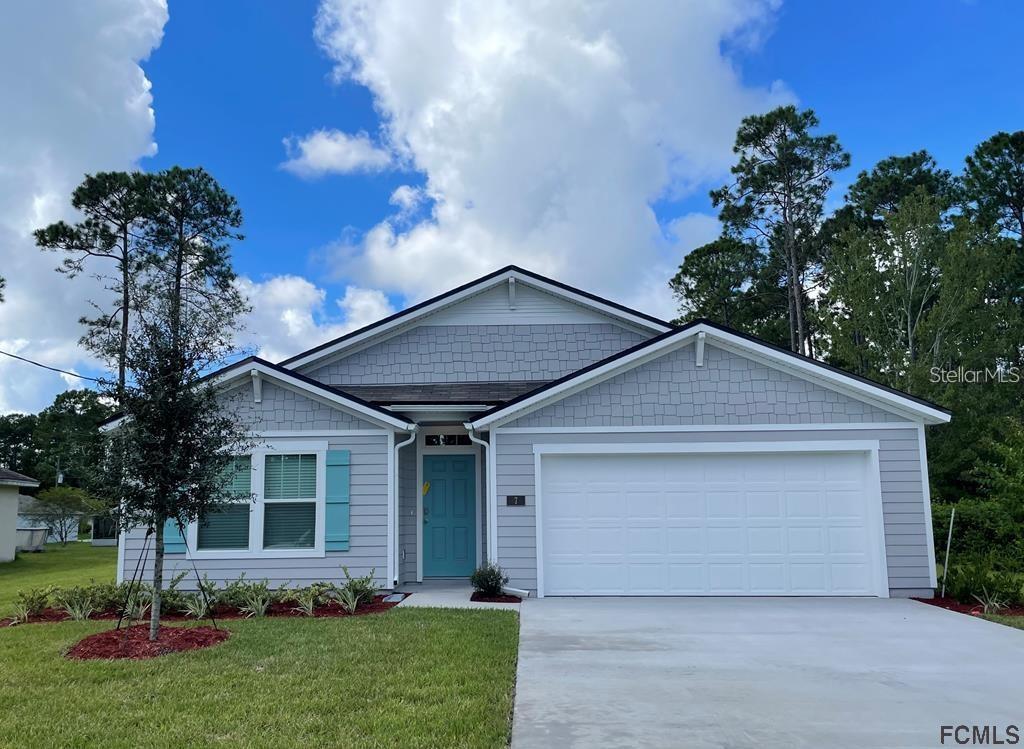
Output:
(13, 477)
(485, 393)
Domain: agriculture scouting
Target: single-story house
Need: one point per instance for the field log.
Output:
(11, 484)
(585, 447)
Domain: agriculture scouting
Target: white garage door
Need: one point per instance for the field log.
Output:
(710, 524)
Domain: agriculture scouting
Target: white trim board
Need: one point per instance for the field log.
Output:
(808, 427)
(402, 322)
(868, 447)
(900, 405)
(926, 490)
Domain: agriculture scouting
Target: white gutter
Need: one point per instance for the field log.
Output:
(397, 535)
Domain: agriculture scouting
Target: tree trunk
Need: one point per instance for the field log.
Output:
(122, 353)
(158, 581)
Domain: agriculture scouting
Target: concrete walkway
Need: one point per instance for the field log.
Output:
(447, 594)
(766, 672)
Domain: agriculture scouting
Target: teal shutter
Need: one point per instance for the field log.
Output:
(338, 474)
(174, 542)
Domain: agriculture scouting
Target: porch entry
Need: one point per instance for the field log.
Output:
(449, 515)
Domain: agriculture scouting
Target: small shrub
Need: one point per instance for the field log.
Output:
(196, 606)
(349, 599)
(136, 606)
(233, 593)
(108, 596)
(991, 603)
(256, 598)
(489, 579)
(364, 588)
(34, 600)
(979, 576)
(307, 599)
(76, 602)
(19, 614)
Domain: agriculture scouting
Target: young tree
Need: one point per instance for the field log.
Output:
(172, 454)
(61, 508)
(782, 177)
(114, 205)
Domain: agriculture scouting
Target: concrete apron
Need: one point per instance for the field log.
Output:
(759, 672)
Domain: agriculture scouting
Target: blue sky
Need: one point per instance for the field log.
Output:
(887, 77)
(433, 142)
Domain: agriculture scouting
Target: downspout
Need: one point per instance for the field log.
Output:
(486, 448)
(398, 507)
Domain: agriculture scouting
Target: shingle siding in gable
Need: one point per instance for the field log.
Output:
(284, 409)
(728, 389)
(478, 353)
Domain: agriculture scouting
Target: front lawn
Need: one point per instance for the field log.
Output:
(1009, 621)
(74, 564)
(407, 678)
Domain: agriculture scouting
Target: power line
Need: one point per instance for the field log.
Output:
(52, 369)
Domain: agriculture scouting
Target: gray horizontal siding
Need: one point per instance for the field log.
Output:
(478, 353)
(728, 389)
(367, 548)
(903, 508)
(284, 409)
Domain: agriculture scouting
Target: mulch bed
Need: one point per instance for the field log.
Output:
(134, 643)
(975, 609)
(478, 596)
(333, 608)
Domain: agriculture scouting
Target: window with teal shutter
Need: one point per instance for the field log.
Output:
(228, 526)
(288, 523)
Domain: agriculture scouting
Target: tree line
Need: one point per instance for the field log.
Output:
(915, 281)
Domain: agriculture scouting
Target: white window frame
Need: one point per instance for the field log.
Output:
(257, 503)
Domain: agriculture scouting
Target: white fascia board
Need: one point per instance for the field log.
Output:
(17, 482)
(838, 381)
(370, 414)
(409, 320)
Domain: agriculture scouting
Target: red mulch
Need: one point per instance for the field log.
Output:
(222, 612)
(967, 608)
(134, 642)
(478, 596)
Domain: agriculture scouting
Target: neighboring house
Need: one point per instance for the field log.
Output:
(27, 519)
(587, 448)
(11, 484)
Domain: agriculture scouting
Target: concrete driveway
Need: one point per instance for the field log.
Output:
(759, 672)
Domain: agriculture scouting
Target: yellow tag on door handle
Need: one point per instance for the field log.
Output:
(426, 487)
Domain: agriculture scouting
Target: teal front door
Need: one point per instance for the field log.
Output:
(449, 515)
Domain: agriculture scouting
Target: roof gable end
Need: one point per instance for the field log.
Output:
(511, 295)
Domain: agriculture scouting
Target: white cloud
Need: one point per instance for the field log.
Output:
(333, 152)
(545, 131)
(289, 315)
(75, 101)
(694, 230)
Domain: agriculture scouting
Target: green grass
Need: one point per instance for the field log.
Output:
(1010, 621)
(409, 678)
(74, 564)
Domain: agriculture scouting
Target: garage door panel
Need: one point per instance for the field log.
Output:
(765, 524)
(724, 504)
